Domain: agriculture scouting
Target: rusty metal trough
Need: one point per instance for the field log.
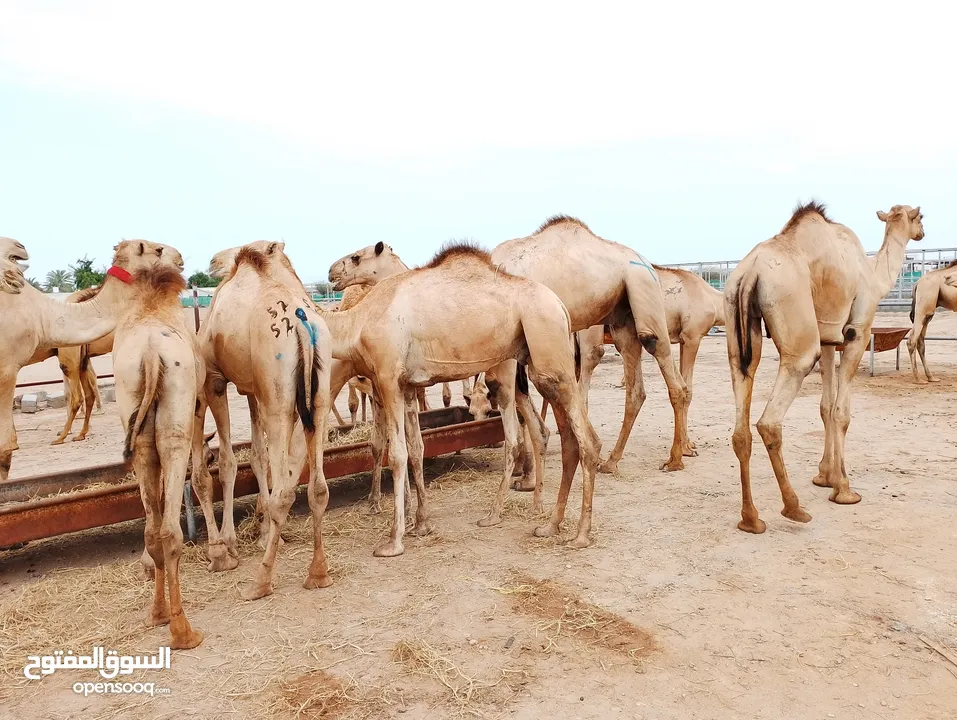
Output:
(443, 431)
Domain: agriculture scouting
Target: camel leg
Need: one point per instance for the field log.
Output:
(279, 427)
(828, 397)
(146, 467)
(260, 467)
(498, 378)
(8, 433)
(534, 436)
(920, 350)
(353, 404)
(91, 395)
(688, 352)
(791, 373)
(392, 414)
(743, 385)
(423, 400)
(570, 460)
(446, 395)
(177, 453)
(841, 419)
(377, 443)
(466, 392)
(74, 392)
(626, 340)
(413, 439)
(317, 492)
(219, 406)
(544, 409)
(91, 378)
(364, 398)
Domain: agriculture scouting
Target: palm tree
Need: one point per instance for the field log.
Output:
(35, 283)
(59, 281)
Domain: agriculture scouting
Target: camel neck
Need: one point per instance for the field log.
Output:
(344, 327)
(64, 323)
(888, 261)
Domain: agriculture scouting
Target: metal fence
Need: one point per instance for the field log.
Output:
(205, 295)
(916, 264)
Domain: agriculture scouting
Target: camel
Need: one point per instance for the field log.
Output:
(31, 320)
(602, 282)
(403, 336)
(815, 289)
(355, 274)
(264, 335)
(158, 374)
(692, 307)
(935, 289)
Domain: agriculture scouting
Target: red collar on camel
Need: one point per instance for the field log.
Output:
(120, 274)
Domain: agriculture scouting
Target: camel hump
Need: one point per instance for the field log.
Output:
(802, 211)
(561, 220)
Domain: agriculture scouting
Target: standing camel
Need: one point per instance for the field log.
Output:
(931, 292)
(264, 334)
(815, 289)
(158, 373)
(692, 308)
(361, 270)
(404, 335)
(605, 283)
(31, 320)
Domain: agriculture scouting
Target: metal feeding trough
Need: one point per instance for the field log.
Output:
(28, 518)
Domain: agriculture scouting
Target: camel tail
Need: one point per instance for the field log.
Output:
(521, 379)
(913, 303)
(152, 369)
(578, 358)
(747, 318)
(306, 383)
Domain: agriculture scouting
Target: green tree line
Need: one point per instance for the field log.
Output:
(83, 275)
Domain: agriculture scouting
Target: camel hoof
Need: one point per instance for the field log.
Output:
(578, 543)
(608, 467)
(375, 507)
(517, 471)
(847, 497)
(538, 508)
(673, 466)
(222, 561)
(544, 531)
(314, 583)
(98, 411)
(390, 548)
(933, 380)
(147, 572)
(79, 438)
(821, 481)
(422, 528)
(524, 485)
(158, 618)
(192, 639)
(58, 441)
(756, 527)
(489, 520)
(257, 591)
(799, 514)
(689, 452)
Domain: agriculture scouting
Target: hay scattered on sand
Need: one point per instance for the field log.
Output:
(318, 694)
(360, 433)
(563, 613)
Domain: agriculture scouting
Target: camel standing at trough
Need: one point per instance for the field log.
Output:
(403, 335)
(604, 283)
(815, 289)
(932, 291)
(264, 334)
(359, 271)
(158, 374)
(31, 320)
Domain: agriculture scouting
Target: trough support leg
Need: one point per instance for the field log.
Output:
(898, 356)
(190, 512)
(872, 354)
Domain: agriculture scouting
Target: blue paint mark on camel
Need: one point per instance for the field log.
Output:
(646, 266)
(310, 326)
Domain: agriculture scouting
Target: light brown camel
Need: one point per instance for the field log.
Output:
(31, 320)
(354, 274)
(931, 292)
(403, 335)
(264, 334)
(692, 308)
(158, 373)
(815, 289)
(605, 283)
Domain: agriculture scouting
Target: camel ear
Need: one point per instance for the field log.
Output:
(882, 216)
(913, 214)
(379, 247)
(142, 249)
(159, 251)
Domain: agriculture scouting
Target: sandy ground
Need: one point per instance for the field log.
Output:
(672, 613)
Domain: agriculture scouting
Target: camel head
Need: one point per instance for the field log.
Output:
(481, 402)
(13, 257)
(365, 267)
(223, 262)
(908, 220)
(134, 255)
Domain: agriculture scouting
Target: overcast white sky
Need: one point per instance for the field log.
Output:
(687, 131)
